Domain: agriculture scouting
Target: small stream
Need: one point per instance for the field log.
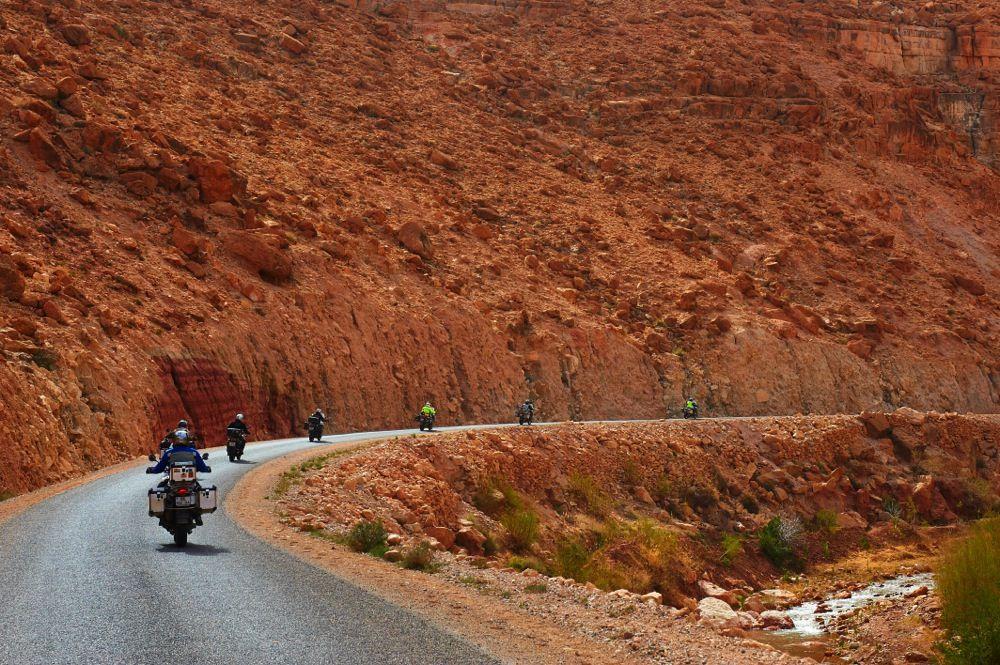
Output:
(809, 637)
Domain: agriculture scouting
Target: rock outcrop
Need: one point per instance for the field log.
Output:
(779, 209)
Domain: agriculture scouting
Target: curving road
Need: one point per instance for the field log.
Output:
(88, 577)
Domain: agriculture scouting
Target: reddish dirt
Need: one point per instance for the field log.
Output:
(208, 208)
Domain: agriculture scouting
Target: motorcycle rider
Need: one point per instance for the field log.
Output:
(177, 451)
(528, 408)
(240, 425)
(180, 434)
(428, 410)
(181, 450)
(317, 416)
(691, 405)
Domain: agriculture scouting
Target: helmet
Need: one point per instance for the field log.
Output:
(239, 416)
(182, 424)
(427, 403)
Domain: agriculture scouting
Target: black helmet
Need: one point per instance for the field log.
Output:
(182, 424)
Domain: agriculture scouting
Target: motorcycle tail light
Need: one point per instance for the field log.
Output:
(182, 491)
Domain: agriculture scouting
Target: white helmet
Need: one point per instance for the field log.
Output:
(239, 416)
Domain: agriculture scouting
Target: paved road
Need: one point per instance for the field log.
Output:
(88, 577)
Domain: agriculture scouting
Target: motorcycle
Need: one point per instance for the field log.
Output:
(315, 427)
(426, 421)
(236, 443)
(524, 416)
(180, 500)
(690, 411)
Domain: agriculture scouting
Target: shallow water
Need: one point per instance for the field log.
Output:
(809, 637)
(810, 623)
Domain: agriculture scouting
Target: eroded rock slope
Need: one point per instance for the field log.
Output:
(213, 206)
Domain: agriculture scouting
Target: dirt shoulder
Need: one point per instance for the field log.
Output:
(511, 636)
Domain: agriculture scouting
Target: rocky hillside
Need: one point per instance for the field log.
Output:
(209, 206)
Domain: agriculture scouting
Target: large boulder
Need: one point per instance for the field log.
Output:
(717, 613)
(712, 590)
(775, 619)
(11, 279)
(413, 237)
(216, 181)
(263, 253)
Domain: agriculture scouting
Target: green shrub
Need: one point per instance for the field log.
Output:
(778, 540)
(536, 587)
(4, 495)
(522, 562)
(586, 492)
(638, 556)
(826, 520)
(570, 558)
(496, 495)
(969, 585)
(366, 536)
(522, 528)
(419, 557)
(732, 547)
(891, 506)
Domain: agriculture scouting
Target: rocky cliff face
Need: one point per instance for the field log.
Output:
(207, 208)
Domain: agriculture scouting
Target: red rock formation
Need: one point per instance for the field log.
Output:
(780, 208)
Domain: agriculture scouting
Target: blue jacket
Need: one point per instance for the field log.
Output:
(162, 465)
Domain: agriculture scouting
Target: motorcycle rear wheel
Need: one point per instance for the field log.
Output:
(180, 538)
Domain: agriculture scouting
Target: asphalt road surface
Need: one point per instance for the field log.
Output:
(88, 577)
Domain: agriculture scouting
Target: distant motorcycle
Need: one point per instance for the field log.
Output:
(180, 500)
(524, 415)
(690, 411)
(426, 421)
(315, 427)
(236, 443)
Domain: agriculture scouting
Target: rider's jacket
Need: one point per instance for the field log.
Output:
(179, 451)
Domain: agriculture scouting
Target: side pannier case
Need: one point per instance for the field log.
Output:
(208, 499)
(157, 502)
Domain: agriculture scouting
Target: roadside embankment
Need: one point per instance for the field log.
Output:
(683, 521)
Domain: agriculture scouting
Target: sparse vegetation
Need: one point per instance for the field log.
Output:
(826, 521)
(640, 556)
(779, 540)
(523, 562)
(589, 495)
(519, 517)
(419, 557)
(522, 526)
(969, 585)
(473, 581)
(732, 547)
(536, 587)
(4, 495)
(287, 480)
(892, 507)
(367, 536)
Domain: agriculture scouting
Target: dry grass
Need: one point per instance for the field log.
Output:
(969, 586)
